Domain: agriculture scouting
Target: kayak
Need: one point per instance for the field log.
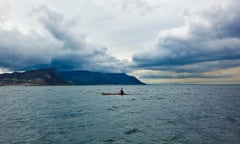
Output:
(113, 94)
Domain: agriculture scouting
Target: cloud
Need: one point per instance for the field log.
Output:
(57, 45)
(142, 7)
(226, 76)
(209, 40)
(19, 50)
(184, 76)
(145, 7)
(198, 67)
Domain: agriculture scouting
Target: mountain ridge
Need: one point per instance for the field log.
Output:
(51, 76)
(83, 77)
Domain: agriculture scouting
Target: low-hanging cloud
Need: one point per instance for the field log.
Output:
(19, 50)
(209, 40)
(182, 76)
(58, 46)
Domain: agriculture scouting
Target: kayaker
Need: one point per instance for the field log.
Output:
(121, 91)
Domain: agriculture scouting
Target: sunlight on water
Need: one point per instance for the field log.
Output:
(150, 114)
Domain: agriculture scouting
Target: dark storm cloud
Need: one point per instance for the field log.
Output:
(59, 47)
(208, 41)
(18, 50)
(196, 67)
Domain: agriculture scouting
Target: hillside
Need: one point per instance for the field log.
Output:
(97, 78)
(50, 76)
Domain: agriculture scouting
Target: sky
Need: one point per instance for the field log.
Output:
(158, 41)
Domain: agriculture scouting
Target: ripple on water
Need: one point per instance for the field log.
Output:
(113, 108)
(132, 131)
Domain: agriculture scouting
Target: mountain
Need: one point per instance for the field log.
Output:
(97, 78)
(50, 76)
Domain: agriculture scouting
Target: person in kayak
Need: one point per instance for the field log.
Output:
(121, 92)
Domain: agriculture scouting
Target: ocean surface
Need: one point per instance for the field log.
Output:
(151, 114)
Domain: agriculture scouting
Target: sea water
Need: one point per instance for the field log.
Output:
(151, 114)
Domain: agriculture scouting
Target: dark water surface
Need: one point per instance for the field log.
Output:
(167, 114)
